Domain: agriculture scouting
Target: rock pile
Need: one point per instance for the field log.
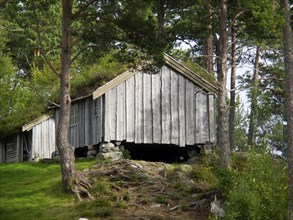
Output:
(109, 151)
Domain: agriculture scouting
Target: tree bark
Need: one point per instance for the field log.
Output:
(71, 179)
(208, 43)
(222, 79)
(232, 90)
(288, 55)
(161, 8)
(254, 92)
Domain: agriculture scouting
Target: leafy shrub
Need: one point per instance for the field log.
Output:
(258, 191)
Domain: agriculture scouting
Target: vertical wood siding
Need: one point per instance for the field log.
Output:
(43, 139)
(11, 149)
(2, 152)
(161, 108)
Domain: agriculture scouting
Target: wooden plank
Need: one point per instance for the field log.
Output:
(81, 124)
(156, 107)
(113, 83)
(1, 152)
(212, 120)
(189, 111)
(39, 120)
(52, 136)
(138, 108)
(99, 119)
(166, 106)
(35, 140)
(87, 122)
(120, 131)
(181, 110)
(147, 109)
(174, 108)
(205, 130)
(130, 113)
(201, 118)
(113, 113)
(107, 136)
(44, 137)
(192, 76)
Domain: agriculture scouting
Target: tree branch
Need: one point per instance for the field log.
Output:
(82, 50)
(41, 44)
(76, 14)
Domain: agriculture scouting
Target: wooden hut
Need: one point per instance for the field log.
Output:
(39, 138)
(11, 148)
(174, 106)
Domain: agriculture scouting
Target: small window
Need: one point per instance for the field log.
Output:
(73, 116)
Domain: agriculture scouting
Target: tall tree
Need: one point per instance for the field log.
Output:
(254, 92)
(232, 89)
(70, 177)
(222, 79)
(288, 55)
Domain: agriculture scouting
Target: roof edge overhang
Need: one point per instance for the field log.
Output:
(35, 122)
(204, 84)
(169, 61)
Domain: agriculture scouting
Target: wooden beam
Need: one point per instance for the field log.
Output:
(190, 74)
(39, 120)
(114, 82)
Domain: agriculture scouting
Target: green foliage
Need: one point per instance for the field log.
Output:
(96, 75)
(240, 126)
(259, 190)
(186, 60)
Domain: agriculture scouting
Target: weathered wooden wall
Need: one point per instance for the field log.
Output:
(161, 108)
(89, 129)
(11, 149)
(43, 139)
(2, 152)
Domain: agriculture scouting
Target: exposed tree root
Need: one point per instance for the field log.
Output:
(80, 187)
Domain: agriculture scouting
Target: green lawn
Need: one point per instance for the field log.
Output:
(33, 191)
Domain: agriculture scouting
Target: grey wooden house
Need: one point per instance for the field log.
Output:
(36, 140)
(174, 106)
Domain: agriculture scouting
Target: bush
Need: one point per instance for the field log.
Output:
(258, 191)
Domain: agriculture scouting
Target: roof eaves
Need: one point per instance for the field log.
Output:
(190, 74)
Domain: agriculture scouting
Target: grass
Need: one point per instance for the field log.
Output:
(34, 191)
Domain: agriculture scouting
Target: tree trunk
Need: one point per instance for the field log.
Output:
(253, 110)
(71, 179)
(288, 55)
(208, 43)
(222, 78)
(232, 90)
(161, 8)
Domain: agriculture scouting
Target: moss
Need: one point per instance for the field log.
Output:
(199, 71)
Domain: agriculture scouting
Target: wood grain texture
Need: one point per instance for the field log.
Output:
(174, 108)
(166, 105)
(156, 107)
(190, 119)
(130, 109)
(147, 108)
(120, 122)
(181, 111)
(139, 108)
